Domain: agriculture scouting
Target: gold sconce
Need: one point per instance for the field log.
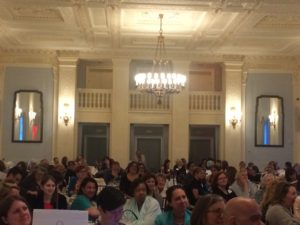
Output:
(273, 118)
(234, 117)
(66, 117)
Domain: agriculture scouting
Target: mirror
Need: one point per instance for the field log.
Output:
(27, 116)
(269, 121)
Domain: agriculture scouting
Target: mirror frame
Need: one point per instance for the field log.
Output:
(41, 117)
(256, 120)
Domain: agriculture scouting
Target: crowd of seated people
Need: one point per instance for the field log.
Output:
(186, 194)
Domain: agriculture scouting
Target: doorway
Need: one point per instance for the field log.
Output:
(204, 143)
(152, 140)
(93, 141)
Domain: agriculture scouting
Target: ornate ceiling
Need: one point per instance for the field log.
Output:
(244, 27)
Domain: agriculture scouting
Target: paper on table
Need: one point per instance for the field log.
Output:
(59, 217)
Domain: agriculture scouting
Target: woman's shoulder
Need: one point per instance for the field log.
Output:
(79, 199)
(165, 217)
(276, 209)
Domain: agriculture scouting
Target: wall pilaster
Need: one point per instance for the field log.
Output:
(234, 151)
(119, 132)
(179, 135)
(65, 145)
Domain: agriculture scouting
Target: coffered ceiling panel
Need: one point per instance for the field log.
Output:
(174, 22)
(265, 27)
(98, 17)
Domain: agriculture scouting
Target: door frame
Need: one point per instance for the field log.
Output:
(148, 137)
(81, 146)
(212, 145)
(215, 139)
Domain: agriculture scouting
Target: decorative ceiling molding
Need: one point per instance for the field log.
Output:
(130, 27)
(36, 13)
(281, 21)
(287, 63)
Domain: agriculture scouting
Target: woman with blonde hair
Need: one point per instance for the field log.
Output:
(266, 180)
(280, 210)
(267, 197)
(242, 186)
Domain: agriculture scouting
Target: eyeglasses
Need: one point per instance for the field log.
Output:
(216, 211)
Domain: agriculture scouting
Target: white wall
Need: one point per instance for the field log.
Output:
(27, 78)
(268, 84)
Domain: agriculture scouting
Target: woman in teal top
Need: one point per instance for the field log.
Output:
(86, 198)
(176, 212)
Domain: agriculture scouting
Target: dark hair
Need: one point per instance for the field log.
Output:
(2, 166)
(22, 165)
(224, 165)
(130, 165)
(16, 170)
(231, 173)
(64, 161)
(115, 163)
(84, 182)
(6, 203)
(200, 211)
(166, 167)
(47, 177)
(71, 163)
(281, 189)
(169, 194)
(198, 170)
(148, 176)
(110, 198)
(289, 172)
(214, 183)
(136, 183)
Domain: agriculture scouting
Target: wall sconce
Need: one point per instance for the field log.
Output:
(273, 118)
(31, 115)
(234, 117)
(66, 117)
(18, 113)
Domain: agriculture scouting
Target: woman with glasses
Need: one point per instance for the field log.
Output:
(208, 210)
(220, 186)
(141, 209)
(176, 212)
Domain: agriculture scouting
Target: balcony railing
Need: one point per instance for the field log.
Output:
(94, 99)
(147, 102)
(100, 100)
(206, 101)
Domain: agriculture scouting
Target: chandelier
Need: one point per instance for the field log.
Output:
(161, 80)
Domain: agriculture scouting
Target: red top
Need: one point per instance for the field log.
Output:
(48, 205)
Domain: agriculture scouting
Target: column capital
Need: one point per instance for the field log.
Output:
(67, 58)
